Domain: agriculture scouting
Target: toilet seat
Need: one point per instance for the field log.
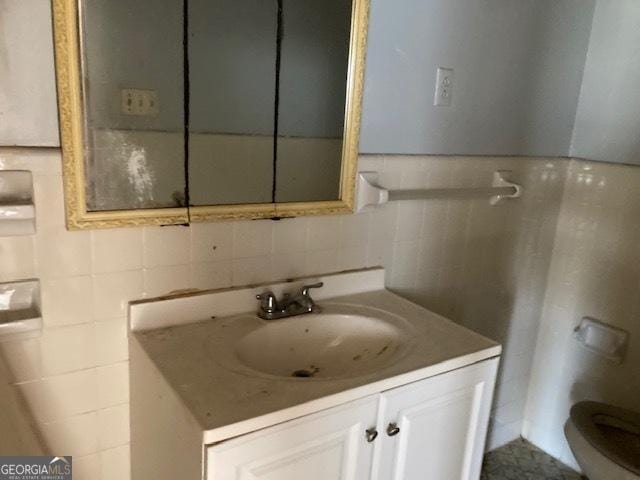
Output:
(612, 431)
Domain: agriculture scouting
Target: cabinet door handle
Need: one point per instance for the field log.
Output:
(372, 434)
(393, 429)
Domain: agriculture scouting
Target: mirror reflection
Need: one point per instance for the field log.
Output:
(312, 95)
(133, 79)
(244, 98)
(232, 85)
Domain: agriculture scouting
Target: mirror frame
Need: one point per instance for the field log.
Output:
(71, 116)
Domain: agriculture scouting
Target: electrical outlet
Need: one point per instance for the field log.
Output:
(444, 87)
(139, 102)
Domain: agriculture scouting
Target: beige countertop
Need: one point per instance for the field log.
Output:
(197, 360)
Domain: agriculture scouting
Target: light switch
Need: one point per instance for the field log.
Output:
(139, 102)
(444, 87)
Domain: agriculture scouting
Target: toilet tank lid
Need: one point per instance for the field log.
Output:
(613, 431)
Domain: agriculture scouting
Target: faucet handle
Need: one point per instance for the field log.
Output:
(268, 302)
(305, 290)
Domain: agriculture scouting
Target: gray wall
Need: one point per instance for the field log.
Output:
(607, 124)
(232, 56)
(518, 67)
(518, 64)
(232, 66)
(134, 45)
(313, 74)
(28, 110)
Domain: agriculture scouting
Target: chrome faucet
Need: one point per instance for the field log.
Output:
(272, 309)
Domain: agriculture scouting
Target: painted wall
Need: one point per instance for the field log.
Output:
(518, 68)
(594, 272)
(607, 124)
(28, 110)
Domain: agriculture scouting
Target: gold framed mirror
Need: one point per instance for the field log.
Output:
(151, 137)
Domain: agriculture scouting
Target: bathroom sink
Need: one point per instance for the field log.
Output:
(340, 342)
(213, 356)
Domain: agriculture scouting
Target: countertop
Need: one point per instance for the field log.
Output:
(194, 360)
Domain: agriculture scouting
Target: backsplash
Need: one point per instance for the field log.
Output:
(462, 258)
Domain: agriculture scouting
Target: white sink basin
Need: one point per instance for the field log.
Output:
(340, 342)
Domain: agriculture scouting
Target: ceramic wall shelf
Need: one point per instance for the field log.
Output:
(20, 310)
(17, 209)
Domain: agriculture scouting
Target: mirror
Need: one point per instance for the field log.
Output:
(134, 141)
(232, 93)
(191, 110)
(313, 72)
(271, 132)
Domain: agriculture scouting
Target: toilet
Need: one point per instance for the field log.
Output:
(605, 441)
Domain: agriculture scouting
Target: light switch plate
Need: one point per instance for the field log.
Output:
(444, 87)
(139, 102)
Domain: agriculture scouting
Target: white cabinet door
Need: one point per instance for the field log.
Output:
(442, 424)
(329, 445)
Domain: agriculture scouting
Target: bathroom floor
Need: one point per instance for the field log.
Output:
(519, 460)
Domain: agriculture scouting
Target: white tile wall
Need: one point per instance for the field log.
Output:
(461, 258)
(595, 272)
(484, 267)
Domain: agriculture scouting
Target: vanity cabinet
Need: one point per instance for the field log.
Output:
(441, 424)
(323, 446)
(432, 429)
